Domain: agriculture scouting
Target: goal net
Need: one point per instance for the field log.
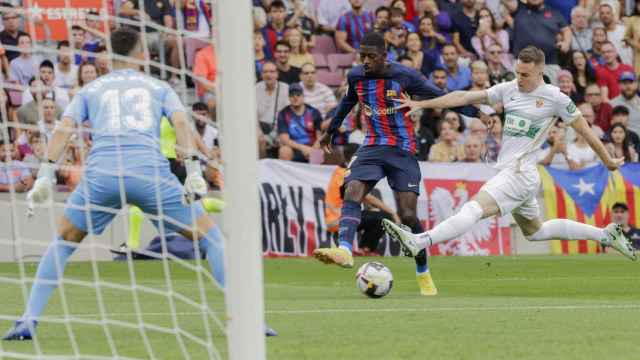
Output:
(135, 291)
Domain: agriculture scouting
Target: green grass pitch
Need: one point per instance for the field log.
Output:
(580, 307)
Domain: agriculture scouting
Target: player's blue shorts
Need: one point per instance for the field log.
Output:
(155, 193)
(372, 163)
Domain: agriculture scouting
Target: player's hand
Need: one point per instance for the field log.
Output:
(614, 164)
(396, 218)
(195, 186)
(325, 142)
(406, 103)
(42, 187)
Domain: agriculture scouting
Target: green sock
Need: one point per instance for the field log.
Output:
(135, 221)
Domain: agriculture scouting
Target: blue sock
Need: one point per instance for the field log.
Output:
(349, 221)
(50, 269)
(421, 259)
(213, 245)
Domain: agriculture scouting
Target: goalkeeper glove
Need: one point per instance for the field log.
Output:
(43, 186)
(195, 187)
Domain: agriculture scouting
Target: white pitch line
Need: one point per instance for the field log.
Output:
(393, 310)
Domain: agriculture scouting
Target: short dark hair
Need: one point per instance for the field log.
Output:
(77, 27)
(277, 4)
(620, 110)
(381, 9)
(282, 42)
(404, 57)
(620, 205)
(63, 43)
(46, 64)
(23, 35)
(439, 68)
(199, 106)
(531, 54)
(374, 39)
(124, 40)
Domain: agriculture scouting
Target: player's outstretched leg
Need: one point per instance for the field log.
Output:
(458, 224)
(611, 236)
(50, 270)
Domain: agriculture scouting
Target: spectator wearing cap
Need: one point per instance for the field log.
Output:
(298, 127)
(541, 26)
(629, 97)
(352, 26)
(608, 74)
(316, 94)
(66, 72)
(286, 72)
(11, 33)
(32, 111)
(25, 66)
(46, 73)
(620, 216)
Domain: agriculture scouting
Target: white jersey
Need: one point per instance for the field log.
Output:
(528, 118)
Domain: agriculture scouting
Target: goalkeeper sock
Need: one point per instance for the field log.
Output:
(50, 270)
(213, 205)
(349, 221)
(564, 229)
(135, 221)
(212, 244)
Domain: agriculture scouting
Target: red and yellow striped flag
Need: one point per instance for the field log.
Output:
(585, 195)
(626, 184)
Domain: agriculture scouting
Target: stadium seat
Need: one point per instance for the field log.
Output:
(340, 61)
(15, 95)
(324, 45)
(320, 61)
(330, 78)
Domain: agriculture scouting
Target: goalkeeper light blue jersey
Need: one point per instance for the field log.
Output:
(124, 109)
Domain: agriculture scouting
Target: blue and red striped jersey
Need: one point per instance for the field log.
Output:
(271, 36)
(301, 128)
(377, 95)
(355, 26)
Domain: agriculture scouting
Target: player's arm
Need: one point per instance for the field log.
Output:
(450, 100)
(344, 108)
(581, 127)
(379, 204)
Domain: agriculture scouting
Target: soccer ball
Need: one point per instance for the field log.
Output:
(374, 279)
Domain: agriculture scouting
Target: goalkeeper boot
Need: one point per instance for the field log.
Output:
(339, 256)
(617, 240)
(426, 284)
(405, 238)
(22, 330)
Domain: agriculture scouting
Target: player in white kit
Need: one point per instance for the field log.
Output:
(530, 107)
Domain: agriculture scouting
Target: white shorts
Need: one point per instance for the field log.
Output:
(515, 191)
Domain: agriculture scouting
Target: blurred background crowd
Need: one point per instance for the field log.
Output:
(303, 51)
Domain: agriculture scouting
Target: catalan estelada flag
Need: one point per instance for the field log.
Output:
(626, 183)
(583, 195)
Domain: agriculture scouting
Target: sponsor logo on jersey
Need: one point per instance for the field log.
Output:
(392, 93)
(571, 108)
(539, 103)
(368, 111)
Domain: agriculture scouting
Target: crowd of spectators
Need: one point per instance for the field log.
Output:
(303, 51)
(591, 49)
